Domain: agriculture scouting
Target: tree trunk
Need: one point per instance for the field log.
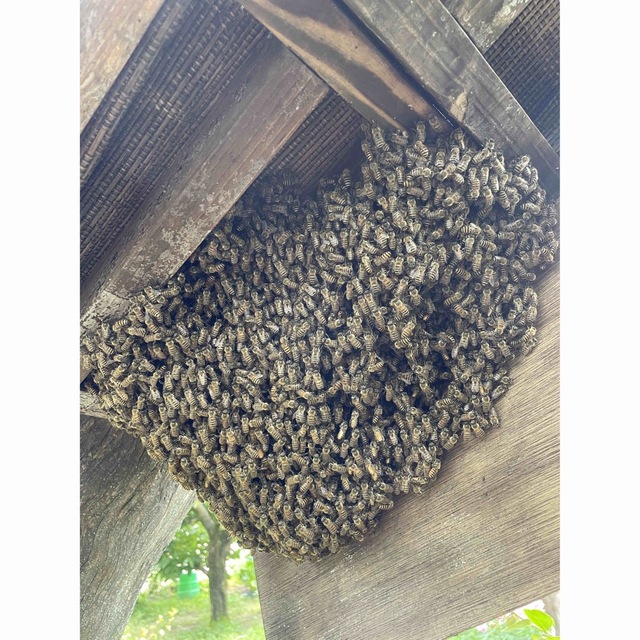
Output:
(219, 544)
(217, 581)
(552, 607)
(130, 508)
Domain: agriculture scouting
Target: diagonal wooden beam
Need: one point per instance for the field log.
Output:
(485, 21)
(349, 60)
(264, 105)
(109, 32)
(483, 540)
(431, 45)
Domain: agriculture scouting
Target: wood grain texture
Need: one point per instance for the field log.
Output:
(484, 539)
(109, 32)
(130, 508)
(347, 58)
(485, 21)
(90, 406)
(267, 103)
(433, 47)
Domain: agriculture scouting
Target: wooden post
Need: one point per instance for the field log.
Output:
(484, 22)
(347, 58)
(130, 508)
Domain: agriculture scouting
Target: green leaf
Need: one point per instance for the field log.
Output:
(553, 637)
(521, 624)
(540, 619)
(513, 620)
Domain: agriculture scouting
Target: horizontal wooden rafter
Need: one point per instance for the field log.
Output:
(109, 32)
(268, 100)
(484, 539)
(349, 60)
(434, 48)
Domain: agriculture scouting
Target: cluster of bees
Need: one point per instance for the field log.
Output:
(313, 360)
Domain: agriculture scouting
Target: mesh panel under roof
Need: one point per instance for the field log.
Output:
(527, 59)
(162, 96)
(323, 142)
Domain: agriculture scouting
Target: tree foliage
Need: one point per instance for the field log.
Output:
(187, 551)
(536, 625)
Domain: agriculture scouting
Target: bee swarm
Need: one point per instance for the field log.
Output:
(313, 360)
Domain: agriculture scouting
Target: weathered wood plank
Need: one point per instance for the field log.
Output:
(130, 508)
(347, 58)
(485, 21)
(433, 47)
(109, 32)
(90, 406)
(481, 541)
(263, 107)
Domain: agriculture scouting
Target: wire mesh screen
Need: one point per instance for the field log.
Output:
(527, 59)
(156, 105)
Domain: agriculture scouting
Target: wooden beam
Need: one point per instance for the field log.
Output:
(109, 32)
(130, 509)
(90, 406)
(431, 45)
(484, 539)
(347, 58)
(485, 21)
(263, 107)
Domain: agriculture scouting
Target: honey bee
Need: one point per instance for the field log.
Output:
(503, 199)
(435, 467)
(378, 139)
(401, 310)
(435, 123)
(407, 330)
(477, 430)
(433, 272)
(504, 349)
(366, 149)
(378, 319)
(398, 220)
(450, 442)
(473, 183)
(521, 164)
(445, 279)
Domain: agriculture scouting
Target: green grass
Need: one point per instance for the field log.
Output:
(191, 617)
